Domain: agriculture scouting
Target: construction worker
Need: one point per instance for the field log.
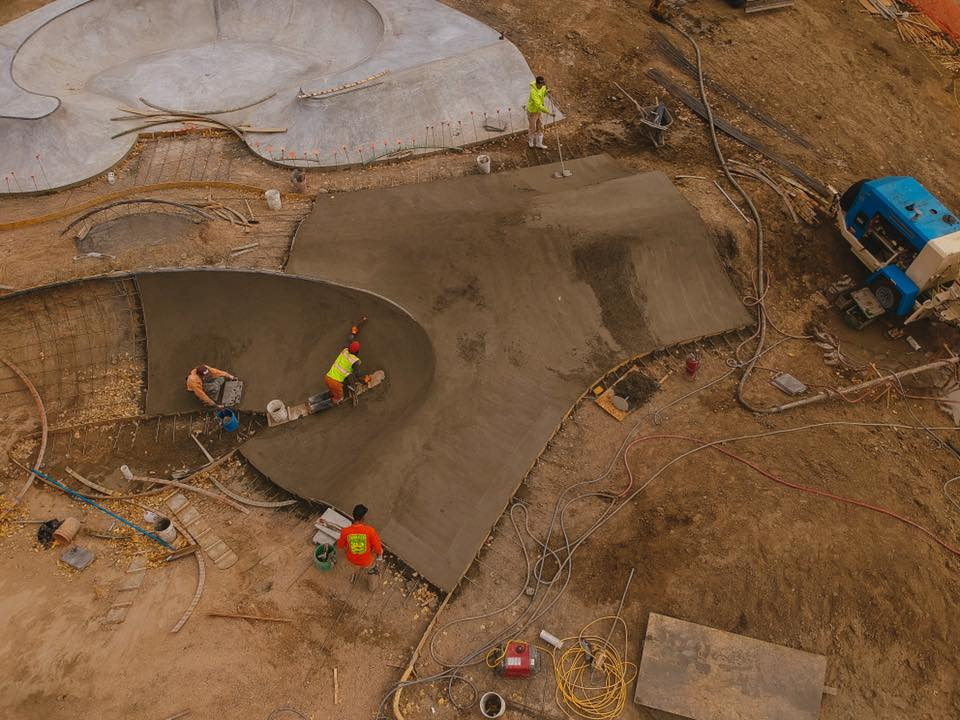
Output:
(362, 545)
(343, 367)
(299, 179)
(536, 109)
(203, 374)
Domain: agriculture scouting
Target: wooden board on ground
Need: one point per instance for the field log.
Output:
(700, 673)
(605, 401)
(628, 380)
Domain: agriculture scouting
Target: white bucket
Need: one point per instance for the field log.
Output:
(277, 411)
(483, 162)
(273, 199)
(169, 533)
(492, 705)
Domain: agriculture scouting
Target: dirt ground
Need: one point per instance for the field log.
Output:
(712, 541)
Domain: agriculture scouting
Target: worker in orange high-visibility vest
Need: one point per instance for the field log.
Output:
(362, 545)
(343, 367)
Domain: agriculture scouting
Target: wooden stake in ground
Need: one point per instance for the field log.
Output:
(336, 688)
(248, 617)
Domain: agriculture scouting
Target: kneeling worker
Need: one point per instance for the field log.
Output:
(362, 544)
(346, 364)
(203, 374)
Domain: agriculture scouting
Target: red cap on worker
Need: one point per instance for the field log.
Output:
(354, 347)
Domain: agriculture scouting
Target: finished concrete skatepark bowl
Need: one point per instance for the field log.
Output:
(348, 80)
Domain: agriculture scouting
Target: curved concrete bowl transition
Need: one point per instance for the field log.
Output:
(393, 74)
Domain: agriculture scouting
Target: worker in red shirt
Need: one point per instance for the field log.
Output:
(362, 545)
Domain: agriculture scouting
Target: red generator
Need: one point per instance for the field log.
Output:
(518, 660)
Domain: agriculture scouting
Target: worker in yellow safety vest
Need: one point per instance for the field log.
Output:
(536, 109)
(344, 366)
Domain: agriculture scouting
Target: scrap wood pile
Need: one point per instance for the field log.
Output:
(800, 202)
(917, 28)
(921, 30)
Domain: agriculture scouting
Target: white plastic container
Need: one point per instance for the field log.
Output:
(126, 472)
(492, 705)
(273, 199)
(548, 637)
(168, 533)
(277, 411)
(111, 177)
(483, 162)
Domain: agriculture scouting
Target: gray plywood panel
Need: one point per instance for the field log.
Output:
(696, 672)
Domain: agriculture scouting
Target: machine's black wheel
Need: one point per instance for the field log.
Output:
(887, 295)
(846, 200)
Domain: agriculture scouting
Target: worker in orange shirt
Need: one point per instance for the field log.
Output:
(201, 374)
(362, 545)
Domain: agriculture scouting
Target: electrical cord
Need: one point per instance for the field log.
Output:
(804, 488)
(549, 590)
(292, 711)
(592, 675)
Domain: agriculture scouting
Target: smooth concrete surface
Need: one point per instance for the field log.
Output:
(68, 66)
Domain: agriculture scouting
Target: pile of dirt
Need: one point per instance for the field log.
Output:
(636, 388)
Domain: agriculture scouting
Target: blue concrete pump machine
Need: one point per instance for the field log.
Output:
(910, 243)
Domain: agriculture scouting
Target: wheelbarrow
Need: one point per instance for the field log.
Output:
(655, 120)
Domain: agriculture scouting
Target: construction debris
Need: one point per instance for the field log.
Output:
(77, 557)
(789, 384)
(127, 591)
(198, 528)
(889, 9)
(345, 87)
(159, 115)
(921, 30)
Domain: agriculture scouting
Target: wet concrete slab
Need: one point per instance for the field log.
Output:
(529, 289)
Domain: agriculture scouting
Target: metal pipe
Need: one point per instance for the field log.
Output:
(866, 385)
(82, 498)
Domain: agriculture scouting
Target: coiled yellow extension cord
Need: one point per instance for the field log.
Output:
(593, 684)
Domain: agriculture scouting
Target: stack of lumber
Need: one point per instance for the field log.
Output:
(921, 30)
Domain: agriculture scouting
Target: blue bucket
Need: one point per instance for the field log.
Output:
(229, 419)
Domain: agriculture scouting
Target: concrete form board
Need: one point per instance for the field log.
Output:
(97, 54)
(694, 672)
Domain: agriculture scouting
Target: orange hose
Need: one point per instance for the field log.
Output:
(802, 488)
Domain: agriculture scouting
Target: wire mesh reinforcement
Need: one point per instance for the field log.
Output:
(82, 344)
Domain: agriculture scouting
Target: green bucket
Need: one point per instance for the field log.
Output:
(325, 556)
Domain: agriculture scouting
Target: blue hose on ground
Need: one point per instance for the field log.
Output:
(102, 509)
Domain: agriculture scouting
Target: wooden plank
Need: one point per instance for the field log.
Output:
(702, 673)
